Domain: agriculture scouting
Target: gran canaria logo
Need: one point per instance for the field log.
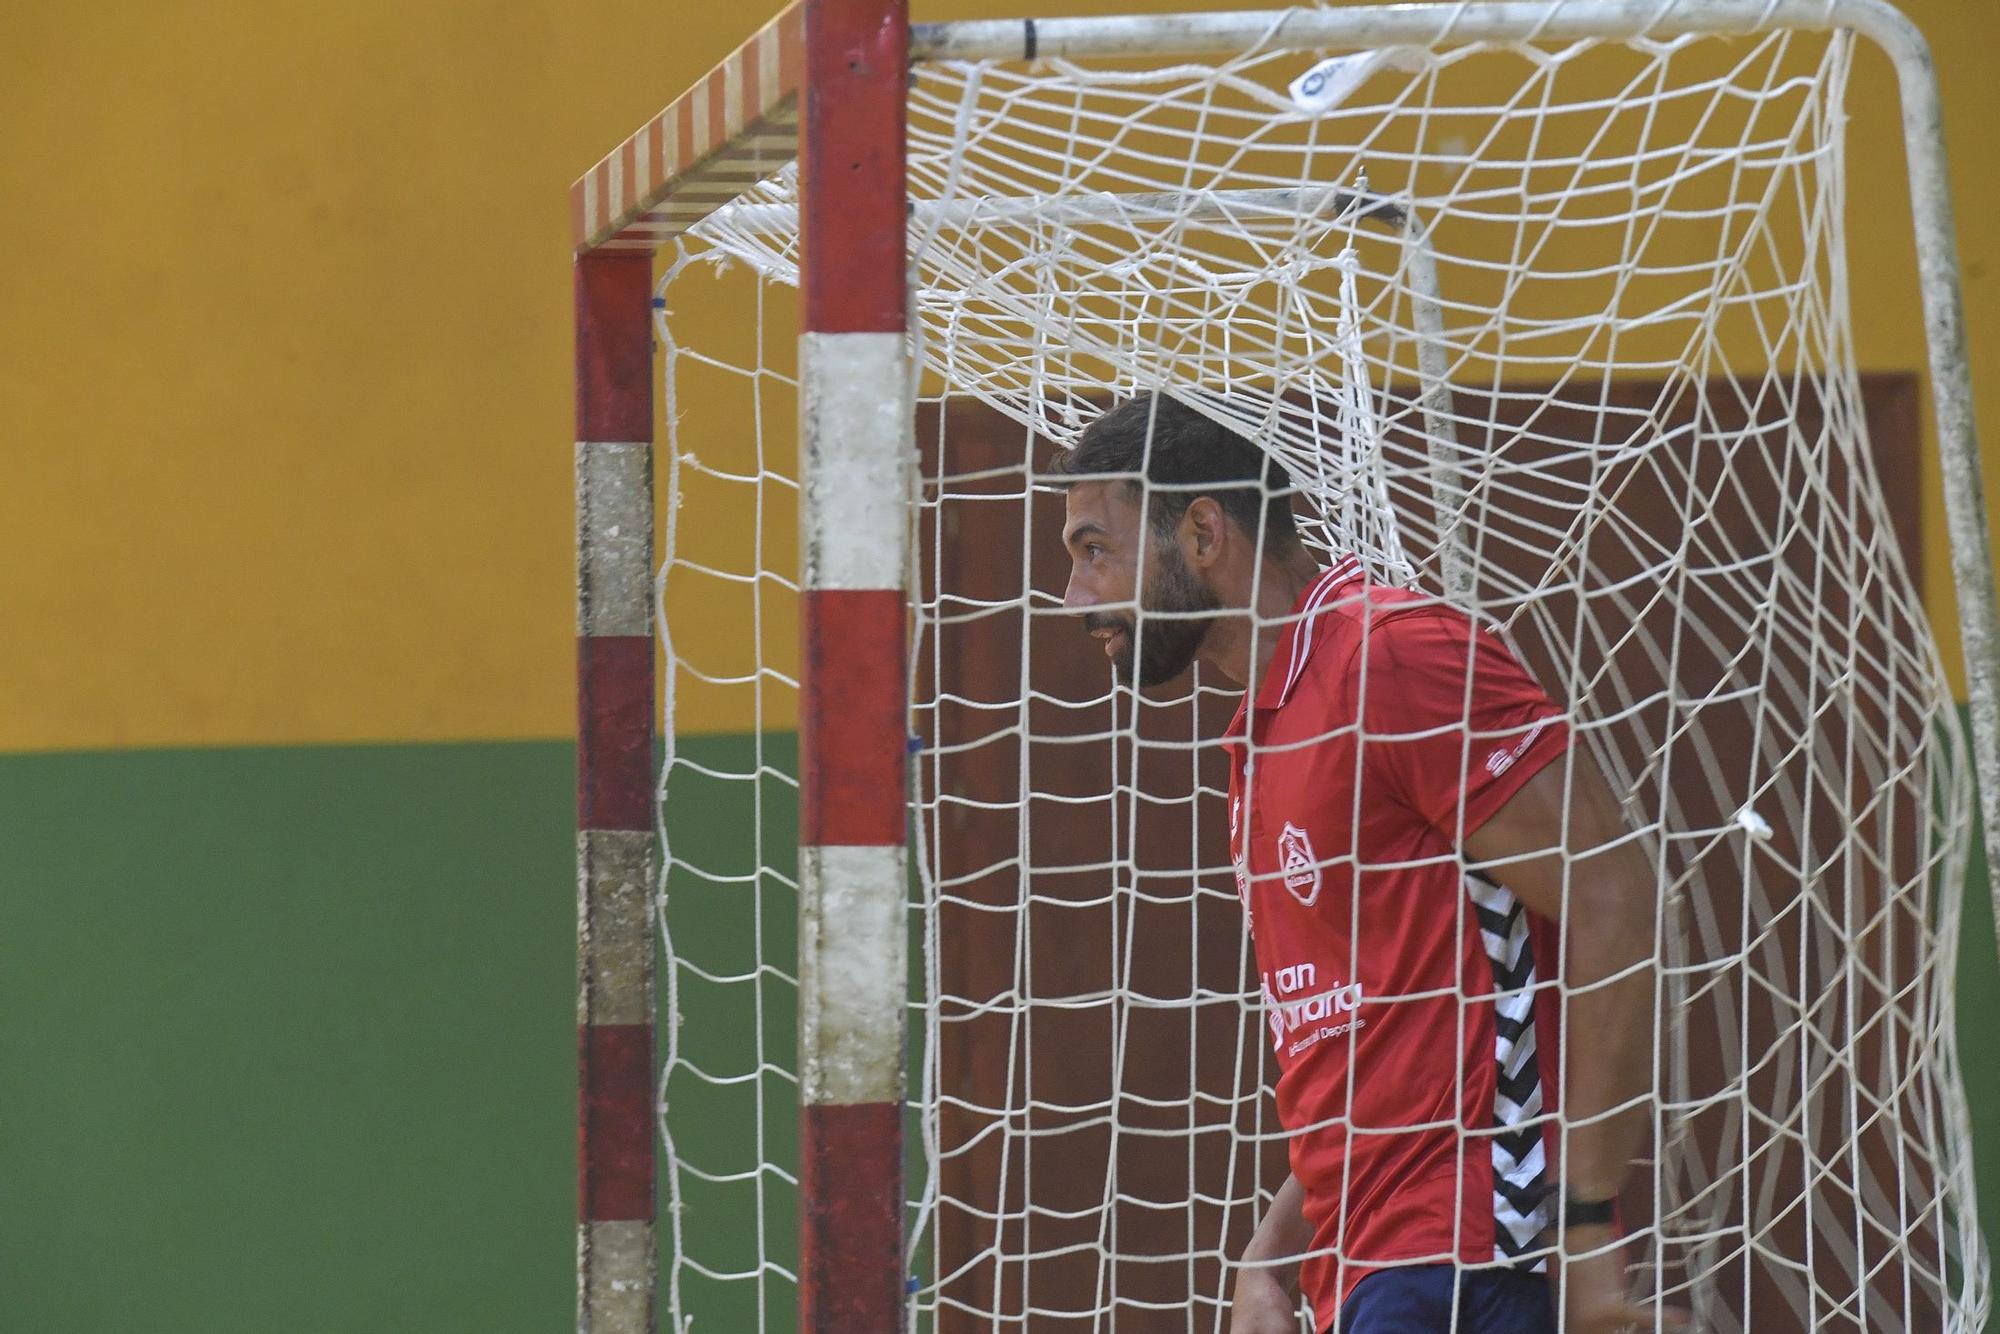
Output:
(1304, 1019)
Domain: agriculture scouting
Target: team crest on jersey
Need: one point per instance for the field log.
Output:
(1296, 860)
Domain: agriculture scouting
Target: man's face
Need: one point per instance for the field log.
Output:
(1114, 560)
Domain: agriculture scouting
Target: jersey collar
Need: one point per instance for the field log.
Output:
(1296, 641)
(1301, 635)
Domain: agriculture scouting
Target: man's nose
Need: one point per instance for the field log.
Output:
(1079, 596)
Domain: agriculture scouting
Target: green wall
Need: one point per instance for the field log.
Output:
(287, 1038)
(1978, 1003)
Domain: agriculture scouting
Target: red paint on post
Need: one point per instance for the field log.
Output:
(753, 92)
(614, 730)
(614, 344)
(614, 1122)
(851, 151)
(853, 729)
(851, 1239)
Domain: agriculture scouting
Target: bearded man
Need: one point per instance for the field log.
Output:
(1416, 845)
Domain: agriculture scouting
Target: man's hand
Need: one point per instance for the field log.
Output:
(1262, 1305)
(1267, 1281)
(1592, 1296)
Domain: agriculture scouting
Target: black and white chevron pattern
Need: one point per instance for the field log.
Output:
(1521, 1187)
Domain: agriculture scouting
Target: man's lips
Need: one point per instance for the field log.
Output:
(1111, 635)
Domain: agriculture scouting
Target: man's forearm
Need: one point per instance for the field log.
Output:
(1282, 1236)
(1266, 1297)
(1607, 1031)
(1562, 845)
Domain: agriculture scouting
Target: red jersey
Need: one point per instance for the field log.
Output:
(1400, 991)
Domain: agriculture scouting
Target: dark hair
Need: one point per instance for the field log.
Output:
(1189, 456)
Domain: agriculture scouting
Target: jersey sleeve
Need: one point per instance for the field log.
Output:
(1451, 723)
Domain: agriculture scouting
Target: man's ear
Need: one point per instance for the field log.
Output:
(1204, 527)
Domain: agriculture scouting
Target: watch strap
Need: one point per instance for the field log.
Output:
(1588, 1213)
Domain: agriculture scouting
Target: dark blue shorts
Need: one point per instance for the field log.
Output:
(1417, 1299)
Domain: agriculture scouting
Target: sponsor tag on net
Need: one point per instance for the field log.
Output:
(1327, 84)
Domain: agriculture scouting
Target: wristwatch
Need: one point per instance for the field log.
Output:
(1588, 1213)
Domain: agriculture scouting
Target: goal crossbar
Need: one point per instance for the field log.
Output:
(1280, 205)
(1371, 26)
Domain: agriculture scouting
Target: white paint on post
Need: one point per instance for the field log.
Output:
(614, 926)
(614, 537)
(617, 1262)
(853, 944)
(857, 425)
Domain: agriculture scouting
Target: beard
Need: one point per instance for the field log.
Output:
(1157, 648)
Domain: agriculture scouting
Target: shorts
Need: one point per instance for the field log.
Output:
(1417, 1299)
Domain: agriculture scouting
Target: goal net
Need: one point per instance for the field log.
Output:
(1553, 329)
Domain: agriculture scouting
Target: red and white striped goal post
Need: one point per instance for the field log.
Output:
(849, 60)
(824, 83)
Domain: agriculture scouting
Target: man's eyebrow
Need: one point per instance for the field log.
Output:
(1086, 526)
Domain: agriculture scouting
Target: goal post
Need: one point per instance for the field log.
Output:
(615, 846)
(918, 994)
(855, 468)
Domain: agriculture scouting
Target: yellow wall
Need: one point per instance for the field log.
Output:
(285, 390)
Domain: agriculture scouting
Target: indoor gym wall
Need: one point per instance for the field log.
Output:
(285, 864)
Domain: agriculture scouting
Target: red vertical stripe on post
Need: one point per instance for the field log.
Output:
(851, 164)
(852, 729)
(753, 91)
(614, 1122)
(614, 346)
(614, 725)
(850, 1188)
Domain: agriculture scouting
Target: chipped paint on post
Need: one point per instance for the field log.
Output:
(853, 978)
(857, 425)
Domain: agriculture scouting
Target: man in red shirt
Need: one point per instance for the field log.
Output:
(1415, 850)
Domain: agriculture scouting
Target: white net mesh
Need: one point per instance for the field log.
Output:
(1556, 333)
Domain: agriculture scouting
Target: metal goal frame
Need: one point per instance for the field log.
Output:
(823, 83)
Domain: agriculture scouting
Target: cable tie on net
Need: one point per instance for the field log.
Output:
(1753, 824)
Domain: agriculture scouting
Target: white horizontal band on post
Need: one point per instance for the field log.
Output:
(617, 1261)
(853, 973)
(614, 926)
(858, 436)
(1373, 26)
(614, 537)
